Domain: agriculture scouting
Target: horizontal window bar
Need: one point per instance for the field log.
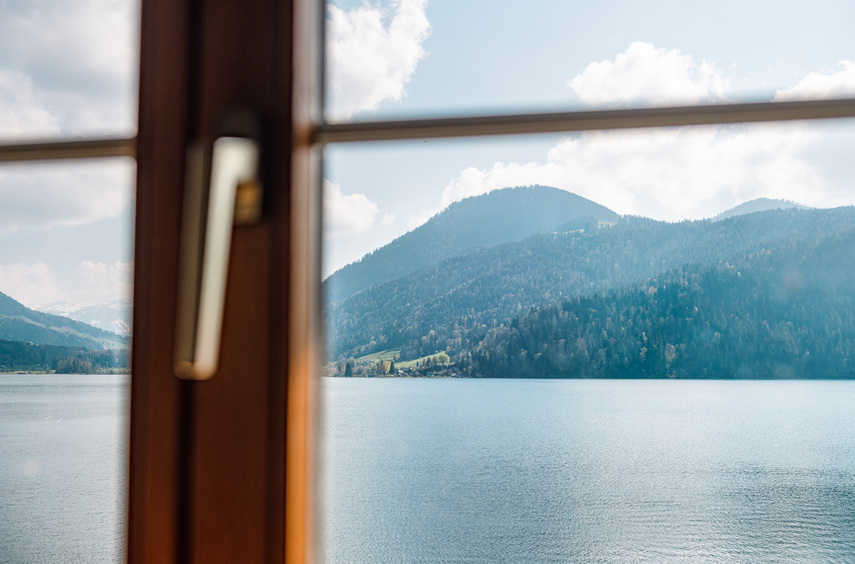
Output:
(503, 124)
(62, 150)
(564, 122)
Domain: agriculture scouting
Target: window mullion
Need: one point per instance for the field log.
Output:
(65, 150)
(566, 122)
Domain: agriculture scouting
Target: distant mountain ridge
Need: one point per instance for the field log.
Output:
(111, 316)
(462, 297)
(500, 216)
(758, 205)
(22, 324)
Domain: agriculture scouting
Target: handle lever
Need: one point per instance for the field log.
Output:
(206, 242)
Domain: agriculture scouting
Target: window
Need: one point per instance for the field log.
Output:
(213, 464)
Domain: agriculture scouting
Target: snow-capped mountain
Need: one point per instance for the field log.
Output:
(113, 316)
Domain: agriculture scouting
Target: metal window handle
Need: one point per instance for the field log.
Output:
(206, 242)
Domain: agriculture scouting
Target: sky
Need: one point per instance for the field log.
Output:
(470, 56)
(68, 68)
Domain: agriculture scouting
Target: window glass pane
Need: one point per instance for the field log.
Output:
(65, 290)
(68, 69)
(413, 57)
(619, 347)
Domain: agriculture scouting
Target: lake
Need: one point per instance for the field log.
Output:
(63, 440)
(442, 470)
(453, 471)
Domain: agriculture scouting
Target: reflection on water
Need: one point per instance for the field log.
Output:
(588, 471)
(63, 468)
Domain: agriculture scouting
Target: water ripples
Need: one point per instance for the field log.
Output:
(574, 471)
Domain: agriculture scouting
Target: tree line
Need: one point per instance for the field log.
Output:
(19, 356)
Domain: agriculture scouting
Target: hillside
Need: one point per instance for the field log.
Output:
(758, 205)
(16, 356)
(19, 323)
(453, 304)
(491, 219)
(787, 312)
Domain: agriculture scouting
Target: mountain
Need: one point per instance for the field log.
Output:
(758, 205)
(487, 220)
(19, 323)
(479, 307)
(461, 298)
(785, 312)
(113, 316)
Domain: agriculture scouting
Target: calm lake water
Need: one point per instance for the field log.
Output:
(63, 452)
(436, 471)
(485, 470)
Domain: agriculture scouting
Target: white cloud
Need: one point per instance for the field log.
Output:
(22, 115)
(52, 195)
(99, 282)
(80, 57)
(646, 75)
(822, 85)
(346, 214)
(30, 284)
(676, 173)
(66, 69)
(474, 181)
(37, 285)
(373, 54)
(669, 174)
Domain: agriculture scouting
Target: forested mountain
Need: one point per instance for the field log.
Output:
(785, 312)
(758, 205)
(19, 323)
(606, 302)
(451, 305)
(490, 219)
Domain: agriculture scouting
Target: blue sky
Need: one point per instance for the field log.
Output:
(68, 68)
